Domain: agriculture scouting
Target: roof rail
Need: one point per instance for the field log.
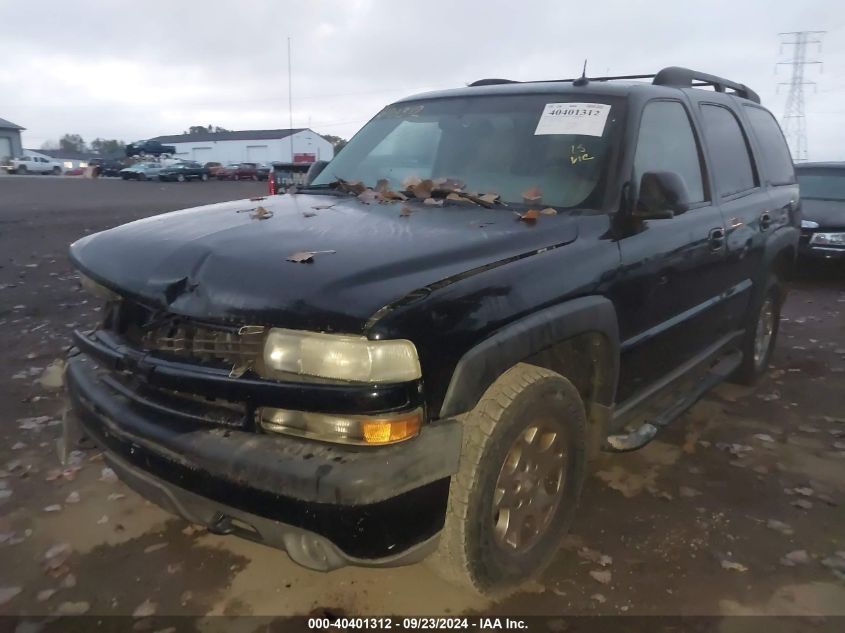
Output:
(674, 76)
(686, 78)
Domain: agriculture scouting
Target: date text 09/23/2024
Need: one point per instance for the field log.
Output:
(418, 623)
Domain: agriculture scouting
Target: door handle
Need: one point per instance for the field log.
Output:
(765, 220)
(717, 238)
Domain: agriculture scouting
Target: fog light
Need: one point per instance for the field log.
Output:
(342, 429)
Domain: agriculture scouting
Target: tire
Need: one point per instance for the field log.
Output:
(255, 178)
(142, 177)
(57, 171)
(476, 550)
(204, 177)
(180, 178)
(21, 170)
(765, 315)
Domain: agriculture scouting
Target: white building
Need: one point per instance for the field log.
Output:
(253, 146)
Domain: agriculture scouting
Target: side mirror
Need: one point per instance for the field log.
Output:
(662, 195)
(315, 170)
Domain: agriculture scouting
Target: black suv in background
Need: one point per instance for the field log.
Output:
(415, 354)
(149, 148)
(823, 210)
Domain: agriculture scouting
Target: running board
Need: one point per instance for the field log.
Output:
(624, 442)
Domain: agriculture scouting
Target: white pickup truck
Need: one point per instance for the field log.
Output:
(32, 165)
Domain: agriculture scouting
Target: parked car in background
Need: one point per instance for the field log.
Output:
(238, 171)
(181, 172)
(32, 165)
(141, 171)
(262, 170)
(112, 167)
(212, 168)
(149, 148)
(823, 209)
(284, 175)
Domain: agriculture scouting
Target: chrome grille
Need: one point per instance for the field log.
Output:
(203, 344)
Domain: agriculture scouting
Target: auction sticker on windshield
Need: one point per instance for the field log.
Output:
(586, 119)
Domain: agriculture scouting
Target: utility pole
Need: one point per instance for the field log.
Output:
(794, 121)
(290, 103)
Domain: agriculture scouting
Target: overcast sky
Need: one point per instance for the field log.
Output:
(132, 70)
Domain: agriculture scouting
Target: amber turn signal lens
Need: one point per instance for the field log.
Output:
(389, 431)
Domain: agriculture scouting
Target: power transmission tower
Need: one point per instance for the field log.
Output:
(794, 121)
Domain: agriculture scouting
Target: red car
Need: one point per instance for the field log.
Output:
(239, 171)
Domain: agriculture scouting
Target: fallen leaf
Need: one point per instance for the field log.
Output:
(154, 548)
(529, 216)
(733, 566)
(108, 475)
(531, 195)
(433, 202)
(257, 198)
(45, 594)
(598, 598)
(602, 576)
(549, 211)
(54, 375)
(306, 257)
(405, 212)
(73, 497)
(798, 557)
(686, 491)
(779, 526)
(308, 214)
(382, 185)
(145, 609)
(53, 508)
(411, 181)
(103, 520)
(803, 504)
(68, 582)
(115, 496)
(72, 608)
(261, 213)
(394, 195)
(595, 557)
(489, 198)
(368, 196)
(320, 207)
(423, 189)
(763, 437)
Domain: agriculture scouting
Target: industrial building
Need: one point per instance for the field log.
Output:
(256, 146)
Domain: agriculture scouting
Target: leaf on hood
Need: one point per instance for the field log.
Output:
(489, 198)
(394, 195)
(448, 184)
(529, 216)
(257, 198)
(368, 196)
(382, 185)
(308, 214)
(433, 202)
(423, 189)
(549, 211)
(532, 194)
(261, 213)
(306, 257)
(405, 212)
(351, 186)
(411, 181)
(320, 207)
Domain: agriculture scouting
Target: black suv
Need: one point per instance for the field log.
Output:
(415, 354)
(180, 172)
(149, 148)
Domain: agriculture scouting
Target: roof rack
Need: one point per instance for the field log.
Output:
(674, 76)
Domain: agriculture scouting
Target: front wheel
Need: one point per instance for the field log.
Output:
(204, 177)
(57, 171)
(761, 332)
(523, 465)
(180, 178)
(21, 170)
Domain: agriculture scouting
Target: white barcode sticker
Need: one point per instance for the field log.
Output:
(587, 119)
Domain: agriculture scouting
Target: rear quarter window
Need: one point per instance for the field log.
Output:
(729, 152)
(776, 160)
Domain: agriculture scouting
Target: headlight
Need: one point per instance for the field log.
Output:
(340, 357)
(828, 239)
(343, 429)
(98, 290)
(809, 224)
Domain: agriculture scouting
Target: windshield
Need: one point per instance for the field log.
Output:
(824, 184)
(505, 145)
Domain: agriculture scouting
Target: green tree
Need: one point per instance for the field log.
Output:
(72, 143)
(205, 129)
(107, 147)
(337, 142)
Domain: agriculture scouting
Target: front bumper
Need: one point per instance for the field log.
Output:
(326, 505)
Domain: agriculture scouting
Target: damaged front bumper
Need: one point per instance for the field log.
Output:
(327, 505)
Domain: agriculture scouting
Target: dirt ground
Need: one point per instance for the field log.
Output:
(736, 509)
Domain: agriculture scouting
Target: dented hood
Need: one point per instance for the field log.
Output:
(220, 264)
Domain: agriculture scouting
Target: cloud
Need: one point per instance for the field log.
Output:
(134, 70)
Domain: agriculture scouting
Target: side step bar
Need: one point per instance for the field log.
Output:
(624, 442)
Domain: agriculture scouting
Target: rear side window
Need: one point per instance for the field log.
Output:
(729, 152)
(666, 143)
(776, 158)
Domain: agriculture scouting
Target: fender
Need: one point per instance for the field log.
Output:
(779, 242)
(483, 364)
